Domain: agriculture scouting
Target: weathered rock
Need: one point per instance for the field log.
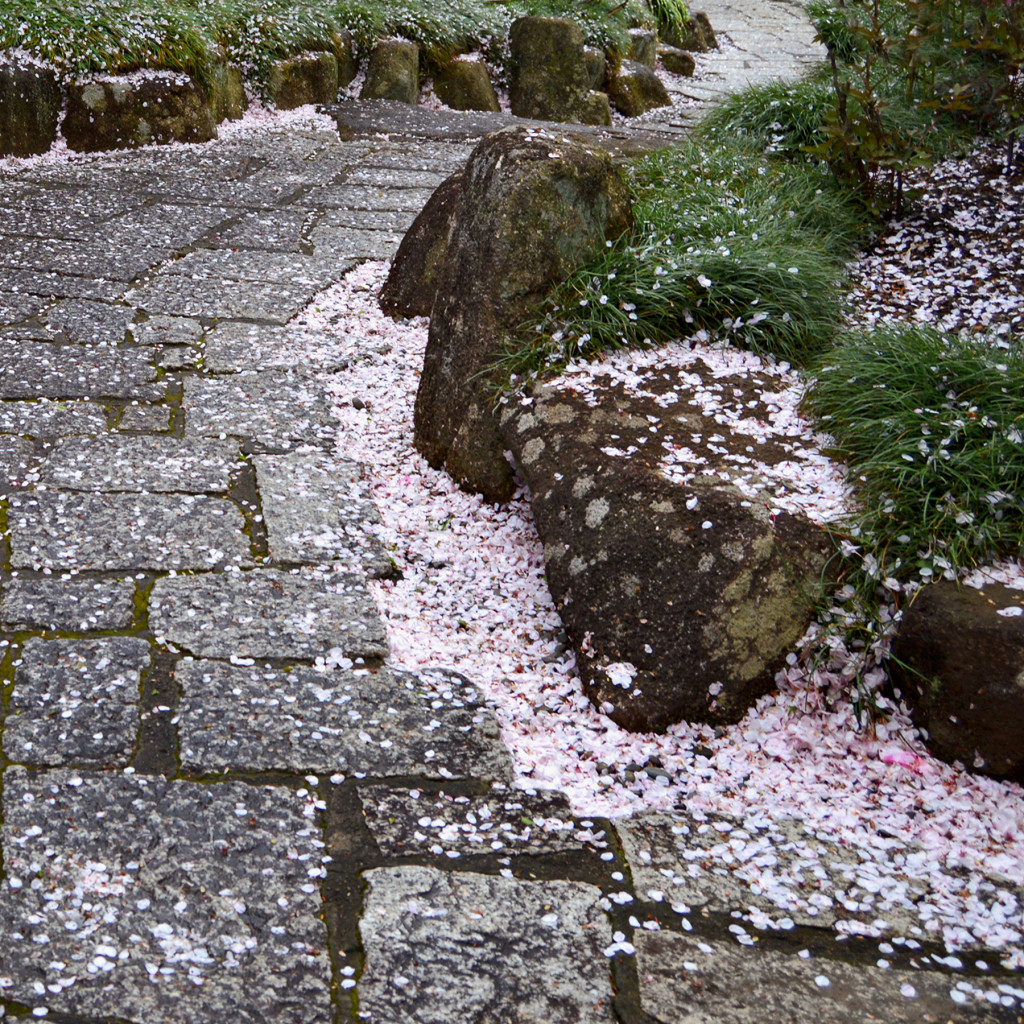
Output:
(959, 662)
(412, 283)
(226, 91)
(393, 72)
(305, 78)
(643, 46)
(634, 88)
(681, 600)
(30, 102)
(464, 84)
(679, 62)
(534, 206)
(597, 109)
(597, 65)
(704, 23)
(548, 79)
(123, 113)
(348, 66)
(691, 37)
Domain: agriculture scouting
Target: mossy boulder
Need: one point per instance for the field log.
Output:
(596, 110)
(534, 206)
(30, 102)
(958, 661)
(226, 91)
(348, 66)
(679, 62)
(393, 72)
(643, 47)
(697, 35)
(463, 84)
(597, 66)
(304, 78)
(107, 112)
(633, 89)
(548, 76)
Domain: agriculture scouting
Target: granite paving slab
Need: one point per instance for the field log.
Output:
(397, 177)
(17, 306)
(268, 613)
(452, 946)
(684, 980)
(720, 863)
(409, 822)
(271, 405)
(316, 272)
(318, 509)
(164, 224)
(233, 347)
(165, 901)
(374, 220)
(167, 330)
(353, 243)
(147, 418)
(276, 302)
(75, 702)
(16, 461)
(73, 605)
(178, 357)
(58, 286)
(277, 230)
(76, 371)
(125, 531)
(113, 462)
(85, 259)
(86, 322)
(376, 198)
(254, 718)
(52, 418)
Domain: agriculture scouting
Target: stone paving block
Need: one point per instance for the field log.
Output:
(167, 330)
(780, 867)
(86, 322)
(268, 614)
(452, 946)
(74, 371)
(16, 461)
(407, 822)
(15, 307)
(75, 702)
(684, 980)
(51, 419)
(353, 243)
(125, 531)
(178, 357)
(74, 605)
(236, 347)
(113, 462)
(398, 177)
(276, 302)
(367, 197)
(247, 265)
(374, 220)
(271, 405)
(339, 720)
(163, 224)
(317, 509)
(58, 286)
(425, 156)
(171, 902)
(277, 230)
(148, 418)
(85, 259)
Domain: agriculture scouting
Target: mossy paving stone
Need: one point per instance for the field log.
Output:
(146, 418)
(263, 230)
(74, 605)
(116, 463)
(77, 371)
(51, 530)
(253, 265)
(267, 613)
(452, 946)
(384, 725)
(162, 901)
(86, 322)
(272, 406)
(75, 702)
(317, 509)
(276, 302)
(233, 347)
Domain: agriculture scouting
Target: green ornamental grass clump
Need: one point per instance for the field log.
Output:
(932, 429)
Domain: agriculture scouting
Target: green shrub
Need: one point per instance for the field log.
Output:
(932, 429)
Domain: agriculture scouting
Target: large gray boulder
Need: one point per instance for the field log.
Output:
(412, 284)
(680, 600)
(30, 102)
(959, 664)
(534, 207)
(463, 84)
(304, 78)
(548, 75)
(106, 112)
(393, 72)
(634, 88)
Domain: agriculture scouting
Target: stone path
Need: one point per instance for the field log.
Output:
(219, 800)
